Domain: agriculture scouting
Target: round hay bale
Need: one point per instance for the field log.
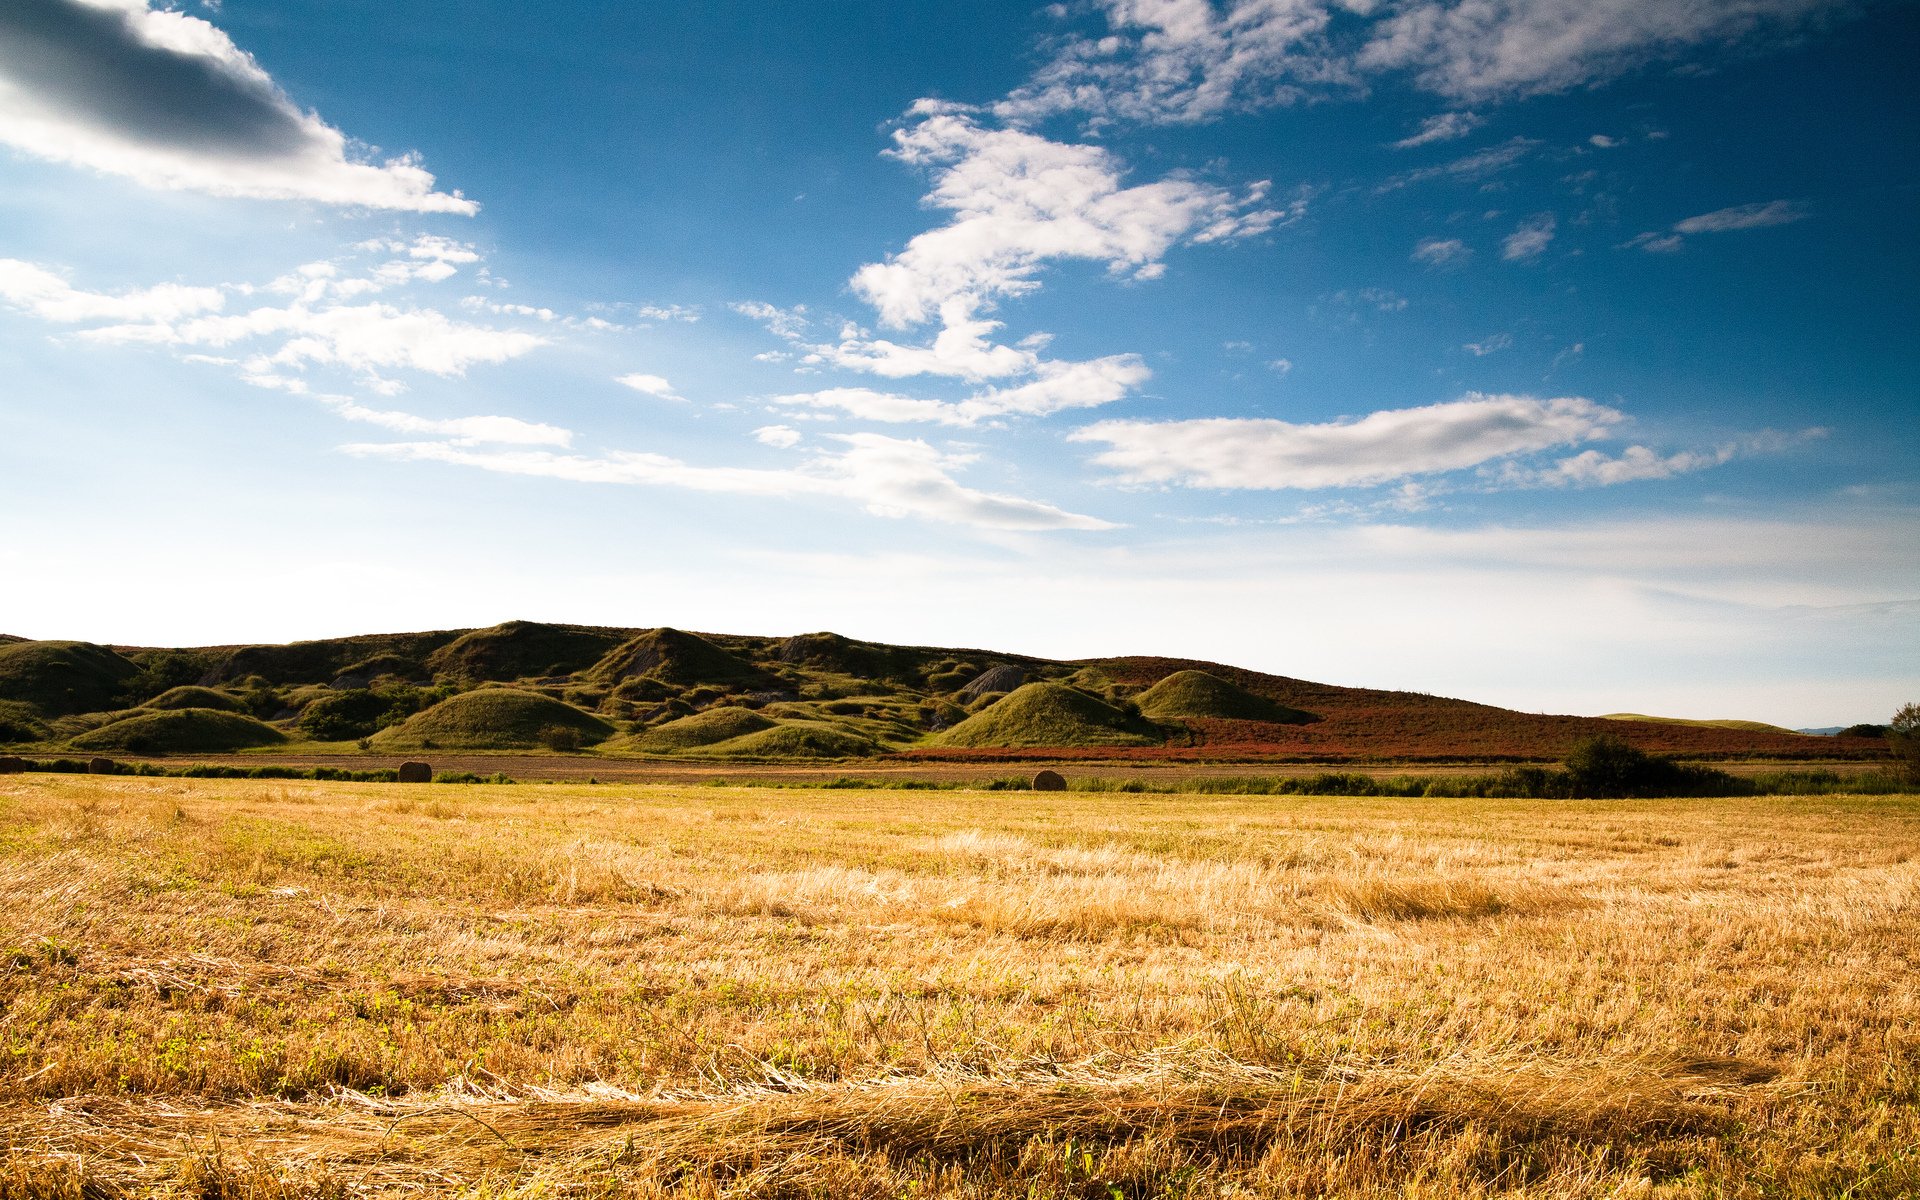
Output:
(102, 766)
(10, 765)
(1049, 781)
(415, 772)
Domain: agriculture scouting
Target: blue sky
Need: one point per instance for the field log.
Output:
(1555, 354)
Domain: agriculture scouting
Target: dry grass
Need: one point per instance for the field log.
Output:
(236, 989)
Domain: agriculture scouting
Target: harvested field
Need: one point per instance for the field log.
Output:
(238, 988)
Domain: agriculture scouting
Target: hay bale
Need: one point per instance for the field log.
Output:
(102, 766)
(1049, 781)
(415, 772)
(9, 765)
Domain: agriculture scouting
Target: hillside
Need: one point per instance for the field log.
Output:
(660, 692)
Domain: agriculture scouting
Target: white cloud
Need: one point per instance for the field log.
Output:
(1592, 468)
(169, 101)
(1478, 165)
(50, 297)
(1379, 299)
(1182, 61)
(1382, 446)
(891, 477)
(781, 437)
(1489, 345)
(462, 431)
(1530, 239)
(1056, 386)
(1724, 220)
(788, 323)
(1744, 216)
(651, 385)
(1442, 127)
(1468, 49)
(362, 337)
(1601, 141)
(1020, 200)
(667, 312)
(1280, 366)
(1441, 252)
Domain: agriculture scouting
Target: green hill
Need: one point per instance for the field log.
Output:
(1050, 714)
(675, 657)
(492, 719)
(180, 730)
(699, 729)
(1196, 694)
(794, 739)
(63, 677)
(522, 650)
(20, 722)
(195, 697)
(1744, 726)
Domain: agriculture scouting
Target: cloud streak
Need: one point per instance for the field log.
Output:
(1259, 453)
(888, 477)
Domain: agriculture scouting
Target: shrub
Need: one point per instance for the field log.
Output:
(1903, 735)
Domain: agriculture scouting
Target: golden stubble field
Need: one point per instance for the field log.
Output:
(247, 989)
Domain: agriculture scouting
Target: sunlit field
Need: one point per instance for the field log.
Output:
(232, 988)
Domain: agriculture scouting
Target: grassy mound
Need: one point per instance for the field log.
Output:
(20, 722)
(1050, 714)
(492, 719)
(1744, 726)
(700, 729)
(1189, 694)
(180, 730)
(521, 649)
(195, 697)
(675, 657)
(794, 739)
(63, 677)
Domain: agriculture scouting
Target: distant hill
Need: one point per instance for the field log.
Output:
(619, 691)
(1749, 726)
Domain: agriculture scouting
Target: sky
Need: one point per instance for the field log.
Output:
(1557, 354)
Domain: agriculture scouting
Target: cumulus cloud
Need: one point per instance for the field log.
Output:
(890, 477)
(1530, 240)
(780, 437)
(1020, 200)
(1473, 49)
(1441, 252)
(1380, 447)
(651, 385)
(167, 100)
(1441, 127)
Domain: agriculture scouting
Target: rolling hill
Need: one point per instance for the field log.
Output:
(666, 692)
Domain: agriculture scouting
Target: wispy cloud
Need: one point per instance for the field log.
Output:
(889, 477)
(1441, 252)
(1530, 239)
(48, 296)
(167, 100)
(1378, 448)
(649, 385)
(1055, 386)
(1723, 220)
(1441, 127)
(1472, 51)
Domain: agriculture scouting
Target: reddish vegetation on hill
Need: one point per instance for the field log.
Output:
(1363, 723)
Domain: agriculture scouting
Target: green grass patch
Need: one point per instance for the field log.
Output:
(180, 730)
(1196, 694)
(1050, 714)
(495, 719)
